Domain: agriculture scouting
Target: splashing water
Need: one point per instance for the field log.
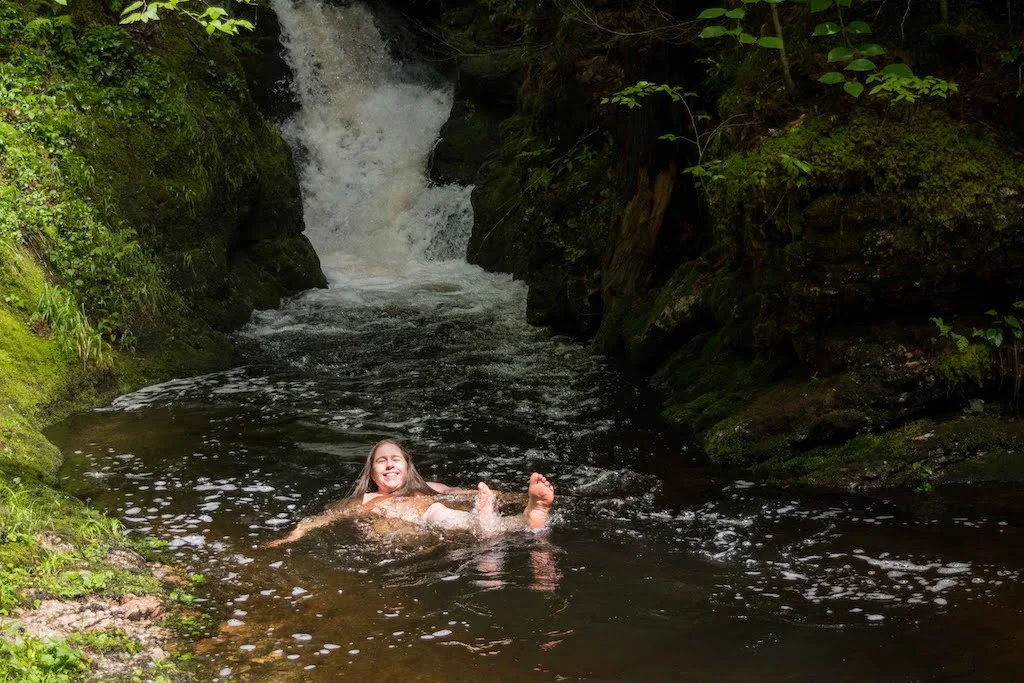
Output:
(364, 135)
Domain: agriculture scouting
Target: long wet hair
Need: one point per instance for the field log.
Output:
(414, 482)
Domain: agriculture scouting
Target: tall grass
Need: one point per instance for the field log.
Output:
(71, 327)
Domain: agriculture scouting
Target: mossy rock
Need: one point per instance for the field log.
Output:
(953, 449)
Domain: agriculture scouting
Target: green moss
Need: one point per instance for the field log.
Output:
(962, 369)
(833, 465)
(926, 174)
(105, 640)
(735, 441)
(995, 465)
(961, 449)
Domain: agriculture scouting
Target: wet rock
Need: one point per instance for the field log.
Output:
(167, 573)
(122, 558)
(53, 543)
(136, 608)
(131, 614)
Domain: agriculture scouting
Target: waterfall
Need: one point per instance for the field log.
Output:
(362, 139)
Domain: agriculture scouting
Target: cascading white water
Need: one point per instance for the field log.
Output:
(363, 137)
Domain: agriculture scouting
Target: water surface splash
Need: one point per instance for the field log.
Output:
(363, 137)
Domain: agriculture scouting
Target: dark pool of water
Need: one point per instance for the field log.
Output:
(654, 569)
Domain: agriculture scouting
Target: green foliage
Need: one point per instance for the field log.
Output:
(545, 168)
(796, 170)
(30, 660)
(946, 331)
(628, 97)
(1000, 324)
(70, 327)
(966, 365)
(212, 18)
(898, 87)
(851, 53)
(737, 31)
(76, 583)
(923, 472)
(105, 640)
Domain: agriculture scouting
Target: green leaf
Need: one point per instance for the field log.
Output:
(770, 42)
(131, 8)
(827, 29)
(995, 337)
(840, 54)
(898, 69)
(832, 78)
(1012, 322)
(713, 32)
(871, 50)
(747, 39)
(737, 13)
(712, 13)
(854, 88)
(820, 5)
(845, 3)
(992, 312)
(858, 27)
(62, 3)
(861, 65)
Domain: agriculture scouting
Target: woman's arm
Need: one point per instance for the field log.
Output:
(329, 516)
(450, 490)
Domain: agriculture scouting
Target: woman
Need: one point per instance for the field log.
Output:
(389, 485)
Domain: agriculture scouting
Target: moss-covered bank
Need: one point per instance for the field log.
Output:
(146, 207)
(785, 303)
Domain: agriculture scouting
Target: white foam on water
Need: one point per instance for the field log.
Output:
(363, 137)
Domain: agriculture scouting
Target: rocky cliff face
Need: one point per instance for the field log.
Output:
(785, 312)
(146, 206)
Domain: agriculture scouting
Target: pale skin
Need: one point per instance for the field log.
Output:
(390, 469)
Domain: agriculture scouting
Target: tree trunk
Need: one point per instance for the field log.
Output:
(782, 50)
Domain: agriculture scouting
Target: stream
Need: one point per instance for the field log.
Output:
(654, 568)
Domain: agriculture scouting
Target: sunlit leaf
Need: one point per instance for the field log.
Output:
(861, 65)
(712, 13)
(713, 32)
(899, 69)
(840, 54)
(854, 88)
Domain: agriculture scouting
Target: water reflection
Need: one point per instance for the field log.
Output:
(724, 580)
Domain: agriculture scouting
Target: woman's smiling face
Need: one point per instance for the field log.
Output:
(389, 468)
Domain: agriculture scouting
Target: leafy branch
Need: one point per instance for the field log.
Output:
(213, 18)
(770, 42)
(703, 171)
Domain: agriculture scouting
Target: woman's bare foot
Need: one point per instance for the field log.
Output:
(542, 495)
(487, 510)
